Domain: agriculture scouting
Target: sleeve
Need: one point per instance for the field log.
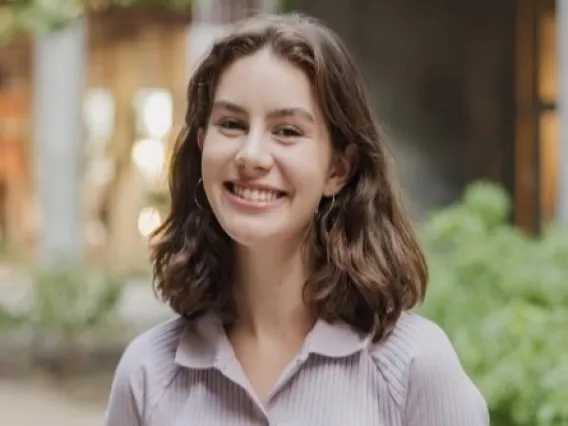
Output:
(440, 393)
(125, 406)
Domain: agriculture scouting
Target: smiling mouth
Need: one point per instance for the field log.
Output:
(254, 195)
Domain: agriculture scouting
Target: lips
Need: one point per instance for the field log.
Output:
(254, 194)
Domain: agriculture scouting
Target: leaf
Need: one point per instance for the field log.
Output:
(38, 17)
(502, 297)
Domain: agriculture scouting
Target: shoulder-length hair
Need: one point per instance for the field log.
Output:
(367, 264)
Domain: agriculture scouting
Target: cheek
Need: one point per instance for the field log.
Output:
(214, 154)
(212, 160)
(313, 161)
(308, 171)
(209, 158)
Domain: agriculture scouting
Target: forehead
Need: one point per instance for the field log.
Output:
(265, 81)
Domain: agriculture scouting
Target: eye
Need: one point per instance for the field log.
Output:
(229, 123)
(231, 126)
(288, 132)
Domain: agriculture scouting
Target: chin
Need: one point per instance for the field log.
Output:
(249, 234)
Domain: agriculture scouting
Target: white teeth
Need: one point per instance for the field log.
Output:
(255, 195)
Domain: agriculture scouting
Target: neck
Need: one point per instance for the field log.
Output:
(269, 285)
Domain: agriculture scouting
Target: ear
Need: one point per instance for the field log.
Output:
(343, 166)
(200, 138)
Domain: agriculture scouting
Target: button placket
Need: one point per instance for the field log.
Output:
(288, 373)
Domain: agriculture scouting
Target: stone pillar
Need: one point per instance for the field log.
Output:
(59, 61)
(207, 25)
(562, 25)
(211, 19)
(268, 6)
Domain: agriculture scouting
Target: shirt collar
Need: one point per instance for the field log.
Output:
(204, 343)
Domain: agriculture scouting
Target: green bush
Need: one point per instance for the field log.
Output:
(502, 297)
(70, 301)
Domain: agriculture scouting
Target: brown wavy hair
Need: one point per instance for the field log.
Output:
(367, 264)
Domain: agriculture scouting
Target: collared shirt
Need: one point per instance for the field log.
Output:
(186, 374)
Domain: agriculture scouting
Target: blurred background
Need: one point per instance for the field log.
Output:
(473, 99)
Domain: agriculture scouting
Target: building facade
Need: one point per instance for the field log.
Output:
(467, 90)
(464, 90)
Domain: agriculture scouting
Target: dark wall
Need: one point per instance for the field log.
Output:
(441, 76)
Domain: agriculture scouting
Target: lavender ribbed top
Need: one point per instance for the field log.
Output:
(186, 374)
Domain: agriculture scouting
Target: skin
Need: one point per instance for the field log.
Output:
(266, 130)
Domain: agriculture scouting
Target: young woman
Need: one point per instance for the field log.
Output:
(288, 256)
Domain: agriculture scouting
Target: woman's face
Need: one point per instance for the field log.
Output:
(267, 158)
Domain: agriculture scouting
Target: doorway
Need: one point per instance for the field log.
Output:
(536, 177)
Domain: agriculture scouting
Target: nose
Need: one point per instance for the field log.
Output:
(254, 154)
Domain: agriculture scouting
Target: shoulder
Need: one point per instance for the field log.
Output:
(422, 367)
(143, 373)
(155, 347)
(417, 339)
(148, 362)
(414, 340)
(425, 348)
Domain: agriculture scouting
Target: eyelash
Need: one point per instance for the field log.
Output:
(286, 131)
(295, 132)
(230, 124)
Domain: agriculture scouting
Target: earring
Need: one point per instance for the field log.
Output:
(195, 194)
(330, 208)
(331, 205)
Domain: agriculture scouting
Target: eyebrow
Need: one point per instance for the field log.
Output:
(277, 113)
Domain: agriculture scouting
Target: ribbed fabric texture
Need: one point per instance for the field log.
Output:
(186, 374)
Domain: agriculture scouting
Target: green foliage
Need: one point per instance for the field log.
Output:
(502, 297)
(38, 17)
(9, 320)
(70, 301)
(287, 6)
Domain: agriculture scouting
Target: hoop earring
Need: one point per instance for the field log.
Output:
(329, 209)
(331, 205)
(195, 194)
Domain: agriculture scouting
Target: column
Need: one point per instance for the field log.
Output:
(207, 25)
(562, 25)
(59, 61)
(268, 6)
(211, 19)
